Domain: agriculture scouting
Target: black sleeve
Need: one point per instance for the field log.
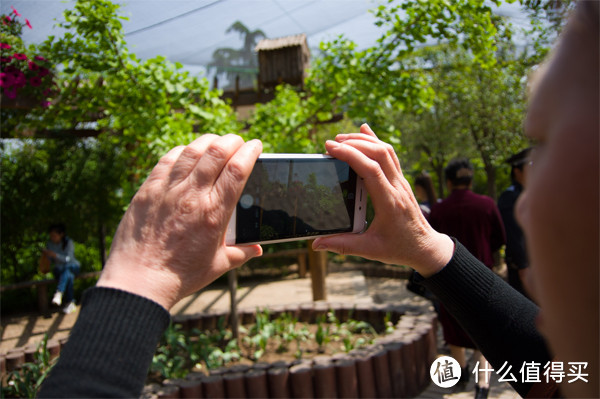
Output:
(110, 347)
(498, 319)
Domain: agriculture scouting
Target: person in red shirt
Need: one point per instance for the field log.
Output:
(475, 221)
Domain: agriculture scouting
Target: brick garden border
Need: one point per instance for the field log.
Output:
(396, 365)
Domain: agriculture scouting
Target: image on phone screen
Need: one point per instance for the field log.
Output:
(288, 198)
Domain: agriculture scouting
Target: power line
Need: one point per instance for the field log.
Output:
(173, 18)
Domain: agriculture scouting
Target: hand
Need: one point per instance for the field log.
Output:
(399, 233)
(170, 242)
(49, 254)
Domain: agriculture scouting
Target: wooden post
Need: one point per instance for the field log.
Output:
(317, 263)
(302, 265)
(233, 312)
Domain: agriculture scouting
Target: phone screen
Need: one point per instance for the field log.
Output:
(288, 198)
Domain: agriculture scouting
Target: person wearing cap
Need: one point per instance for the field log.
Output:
(475, 221)
(516, 253)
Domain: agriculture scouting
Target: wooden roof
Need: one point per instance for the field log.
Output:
(281, 42)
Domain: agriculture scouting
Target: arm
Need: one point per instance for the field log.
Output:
(169, 244)
(110, 347)
(499, 319)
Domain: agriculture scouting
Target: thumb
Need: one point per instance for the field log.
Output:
(240, 254)
(344, 244)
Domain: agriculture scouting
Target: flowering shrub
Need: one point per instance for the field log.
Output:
(21, 75)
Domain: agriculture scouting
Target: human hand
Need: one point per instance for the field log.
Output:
(49, 254)
(170, 242)
(399, 234)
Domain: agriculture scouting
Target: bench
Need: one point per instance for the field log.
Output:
(42, 288)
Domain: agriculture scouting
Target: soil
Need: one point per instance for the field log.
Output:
(308, 348)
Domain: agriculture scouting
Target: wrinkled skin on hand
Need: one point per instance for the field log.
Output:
(170, 242)
(399, 234)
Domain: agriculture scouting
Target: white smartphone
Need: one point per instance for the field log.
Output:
(291, 197)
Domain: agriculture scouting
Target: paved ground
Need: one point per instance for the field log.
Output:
(347, 287)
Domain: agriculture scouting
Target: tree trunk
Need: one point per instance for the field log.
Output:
(490, 171)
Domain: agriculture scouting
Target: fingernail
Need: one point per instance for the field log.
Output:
(319, 246)
(333, 144)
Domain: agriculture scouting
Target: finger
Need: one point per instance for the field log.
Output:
(240, 254)
(366, 129)
(236, 172)
(375, 178)
(344, 244)
(164, 165)
(344, 138)
(381, 152)
(215, 157)
(189, 157)
(366, 133)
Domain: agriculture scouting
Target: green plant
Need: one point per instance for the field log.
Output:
(26, 381)
(322, 335)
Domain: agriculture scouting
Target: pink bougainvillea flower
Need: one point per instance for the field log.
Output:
(6, 79)
(20, 79)
(27, 23)
(39, 58)
(5, 60)
(43, 72)
(15, 11)
(33, 66)
(45, 104)
(5, 45)
(35, 81)
(11, 92)
(20, 56)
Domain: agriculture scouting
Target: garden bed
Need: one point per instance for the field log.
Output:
(395, 364)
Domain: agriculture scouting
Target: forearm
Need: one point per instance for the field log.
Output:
(110, 347)
(499, 319)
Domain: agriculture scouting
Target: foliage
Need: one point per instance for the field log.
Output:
(477, 112)
(547, 19)
(180, 351)
(44, 181)
(134, 109)
(366, 84)
(26, 381)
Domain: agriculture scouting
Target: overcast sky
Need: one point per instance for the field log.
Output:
(189, 31)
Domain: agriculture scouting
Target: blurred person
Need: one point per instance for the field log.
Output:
(60, 250)
(170, 243)
(425, 192)
(473, 220)
(515, 252)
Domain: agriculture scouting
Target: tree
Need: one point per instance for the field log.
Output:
(477, 112)
(241, 63)
(135, 109)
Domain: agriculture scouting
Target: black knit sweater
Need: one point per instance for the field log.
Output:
(499, 320)
(110, 347)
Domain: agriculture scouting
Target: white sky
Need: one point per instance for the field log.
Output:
(189, 31)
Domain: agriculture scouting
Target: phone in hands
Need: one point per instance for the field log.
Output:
(291, 197)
